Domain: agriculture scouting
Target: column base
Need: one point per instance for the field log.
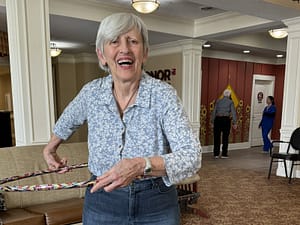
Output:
(285, 135)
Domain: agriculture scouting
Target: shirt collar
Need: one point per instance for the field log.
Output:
(144, 94)
(143, 97)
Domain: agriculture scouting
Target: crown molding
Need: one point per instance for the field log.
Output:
(240, 57)
(293, 24)
(224, 22)
(176, 47)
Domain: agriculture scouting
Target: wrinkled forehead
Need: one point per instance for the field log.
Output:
(130, 32)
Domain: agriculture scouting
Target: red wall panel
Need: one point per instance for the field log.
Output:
(217, 74)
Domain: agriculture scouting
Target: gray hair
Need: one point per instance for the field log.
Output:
(115, 25)
(227, 93)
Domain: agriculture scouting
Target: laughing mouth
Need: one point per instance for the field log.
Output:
(125, 62)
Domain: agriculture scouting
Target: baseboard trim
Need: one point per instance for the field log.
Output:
(235, 146)
(281, 173)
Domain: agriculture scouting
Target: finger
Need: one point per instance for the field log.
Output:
(63, 170)
(112, 186)
(99, 185)
(101, 182)
(53, 165)
(64, 161)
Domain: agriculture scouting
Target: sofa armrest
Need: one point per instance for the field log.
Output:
(21, 216)
(190, 180)
(61, 212)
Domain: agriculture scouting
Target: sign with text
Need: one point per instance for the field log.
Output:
(163, 74)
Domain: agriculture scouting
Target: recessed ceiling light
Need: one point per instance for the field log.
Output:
(207, 45)
(246, 51)
(279, 56)
(206, 8)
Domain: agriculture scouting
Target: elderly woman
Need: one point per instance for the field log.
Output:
(139, 137)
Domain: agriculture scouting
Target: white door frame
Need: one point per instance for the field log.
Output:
(259, 77)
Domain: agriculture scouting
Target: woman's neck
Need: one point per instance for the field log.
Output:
(125, 93)
(125, 88)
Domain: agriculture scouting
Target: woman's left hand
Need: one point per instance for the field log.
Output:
(120, 175)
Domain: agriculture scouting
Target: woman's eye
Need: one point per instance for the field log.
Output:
(132, 41)
(114, 42)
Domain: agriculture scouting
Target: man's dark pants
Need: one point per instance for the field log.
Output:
(222, 125)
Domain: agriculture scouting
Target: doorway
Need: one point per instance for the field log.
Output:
(262, 87)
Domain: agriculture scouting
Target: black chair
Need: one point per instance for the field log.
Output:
(284, 156)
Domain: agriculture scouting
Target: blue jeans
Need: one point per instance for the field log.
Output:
(143, 202)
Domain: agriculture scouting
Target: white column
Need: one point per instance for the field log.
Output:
(291, 95)
(28, 33)
(191, 81)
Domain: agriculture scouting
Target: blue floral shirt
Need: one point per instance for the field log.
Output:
(155, 125)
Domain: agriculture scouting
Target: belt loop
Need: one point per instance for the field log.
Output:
(155, 182)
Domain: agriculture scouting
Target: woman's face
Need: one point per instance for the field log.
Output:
(269, 102)
(125, 56)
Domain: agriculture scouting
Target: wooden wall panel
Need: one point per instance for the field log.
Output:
(204, 123)
(217, 74)
(278, 96)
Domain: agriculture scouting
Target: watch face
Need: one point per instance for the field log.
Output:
(148, 170)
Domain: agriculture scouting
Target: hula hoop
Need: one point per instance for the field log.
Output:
(45, 187)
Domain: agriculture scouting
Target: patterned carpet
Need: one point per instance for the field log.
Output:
(236, 191)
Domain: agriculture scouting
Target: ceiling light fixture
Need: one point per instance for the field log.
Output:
(246, 51)
(279, 56)
(54, 51)
(278, 33)
(145, 6)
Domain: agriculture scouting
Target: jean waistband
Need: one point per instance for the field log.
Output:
(143, 184)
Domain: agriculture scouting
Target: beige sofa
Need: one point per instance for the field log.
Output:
(42, 207)
(60, 206)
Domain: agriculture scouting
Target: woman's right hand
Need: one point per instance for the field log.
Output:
(52, 159)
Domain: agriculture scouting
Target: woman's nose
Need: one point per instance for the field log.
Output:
(124, 46)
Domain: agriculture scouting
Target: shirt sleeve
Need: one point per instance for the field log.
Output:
(233, 112)
(73, 116)
(185, 158)
(270, 112)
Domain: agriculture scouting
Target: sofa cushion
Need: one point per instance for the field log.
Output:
(2, 203)
(21, 216)
(19, 160)
(61, 212)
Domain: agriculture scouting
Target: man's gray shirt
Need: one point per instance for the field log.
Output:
(224, 107)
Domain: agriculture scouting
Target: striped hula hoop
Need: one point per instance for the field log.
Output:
(45, 187)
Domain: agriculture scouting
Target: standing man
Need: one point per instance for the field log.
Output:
(221, 120)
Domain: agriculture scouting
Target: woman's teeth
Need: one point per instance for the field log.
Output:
(125, 62)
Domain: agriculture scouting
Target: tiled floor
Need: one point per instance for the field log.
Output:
(253, 159)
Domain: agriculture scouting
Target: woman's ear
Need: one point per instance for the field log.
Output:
(145, 56)
(101, 57)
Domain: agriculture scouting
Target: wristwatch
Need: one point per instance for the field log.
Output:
(148, 167)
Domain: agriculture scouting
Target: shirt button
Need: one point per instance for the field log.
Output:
(120, 147)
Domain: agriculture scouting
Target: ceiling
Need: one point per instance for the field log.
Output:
(76, 35)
